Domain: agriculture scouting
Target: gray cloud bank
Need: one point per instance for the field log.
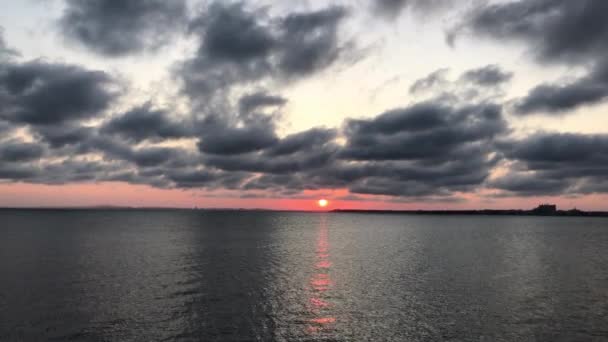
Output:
(117, 28)
(557, 31)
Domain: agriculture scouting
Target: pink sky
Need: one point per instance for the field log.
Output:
(122, 194)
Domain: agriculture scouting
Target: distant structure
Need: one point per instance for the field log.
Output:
(545, 209)
(575, 212)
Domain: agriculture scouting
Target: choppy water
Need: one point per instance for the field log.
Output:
(254, 276)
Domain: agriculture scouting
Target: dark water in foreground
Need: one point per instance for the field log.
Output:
(189, 276)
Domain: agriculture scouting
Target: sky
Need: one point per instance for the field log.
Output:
(373, 104)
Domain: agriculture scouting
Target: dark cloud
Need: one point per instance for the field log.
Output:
(434, 79)
(428, 149)
(280, 183)
(77, 171)
(545, 164)
(432, 150)
(145, 123)
(572, 32)
(556, 98)
(530, 185)
(390, 187)
(544, 149)
(556, 29)
(309, 41)
(476, 85)
(5, 128)
(231, 33)
(236, 140)
(147, 156)
(410, 178)
(490, 75)
(259, 100)
(152, 156)
(35, 162)
(41, 93)
(392, 8)
(17, 172)
(239, 45)
(255, 147)
(424, 131)
(248, 129)
(19, 151)
(223, 138)
(220, 63)
(116, 28)
(559, 99)
(68, 147)
(202, 178)
(299, 152)
(303, 141)
(52, 103)
(58, 136)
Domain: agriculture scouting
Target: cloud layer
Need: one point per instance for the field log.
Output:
(240, 45)
(62, 122)
(557, 31)
(117, 28)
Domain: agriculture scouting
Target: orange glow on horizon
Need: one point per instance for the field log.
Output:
(128, 195)
(323, 203)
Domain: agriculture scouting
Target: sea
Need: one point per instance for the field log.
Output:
(195, 275)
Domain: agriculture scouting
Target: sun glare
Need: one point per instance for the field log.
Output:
(323, 203)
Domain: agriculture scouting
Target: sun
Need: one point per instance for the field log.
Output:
(323, 203)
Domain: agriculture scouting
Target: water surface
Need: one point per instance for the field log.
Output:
(264, 276)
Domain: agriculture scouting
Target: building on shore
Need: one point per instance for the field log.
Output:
(545, 209)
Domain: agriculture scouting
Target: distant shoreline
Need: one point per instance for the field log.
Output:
(480, 212)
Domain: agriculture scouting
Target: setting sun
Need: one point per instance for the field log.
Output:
(323, 203)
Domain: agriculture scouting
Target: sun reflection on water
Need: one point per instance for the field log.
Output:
(321, 284)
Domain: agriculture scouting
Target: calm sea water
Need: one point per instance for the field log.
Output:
(255, 276)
